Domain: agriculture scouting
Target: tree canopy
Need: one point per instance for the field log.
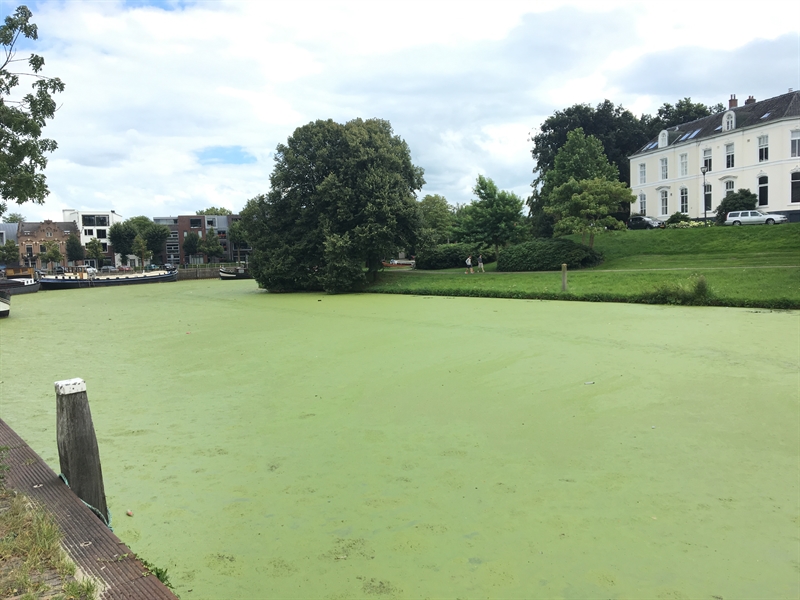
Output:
(13, 217)
(744, 199)
(436, 220)
(74, 249)
(94, 249)
(495, 218)
(213, 210)
(684, 111)
(580, 157)
(9, 252)
(22, 149)
(585, 206)
(211, 246)
(191, 244)
(343, 197)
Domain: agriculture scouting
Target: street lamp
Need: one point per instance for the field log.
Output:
(704, 170)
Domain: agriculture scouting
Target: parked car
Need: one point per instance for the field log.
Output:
(754, 217)
(58, 270)
(645, 223)
(109, 269)
(124, 268)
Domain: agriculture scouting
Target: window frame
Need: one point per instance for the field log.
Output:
(763, 148)
(642, 173)
(729, 156)
(763, 190)
(684, 165)
(707, 159)
(794, 147)
(664, 197)
(643, 203)
(664, 168)
(684, 193)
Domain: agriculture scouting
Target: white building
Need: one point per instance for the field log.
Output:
(94, 224)
(755, 146)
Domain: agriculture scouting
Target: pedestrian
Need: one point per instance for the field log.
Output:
(480, 263)
(469, 265)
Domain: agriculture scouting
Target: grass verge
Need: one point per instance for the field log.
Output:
(764, 287)
(31, 559)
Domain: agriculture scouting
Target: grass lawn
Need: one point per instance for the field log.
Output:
(744, 266)
(312, 446)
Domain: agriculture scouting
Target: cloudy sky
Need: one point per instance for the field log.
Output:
(171, 107)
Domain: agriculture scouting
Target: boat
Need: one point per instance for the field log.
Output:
(5, 303)
(18, 279)
(82, 277)
(18, 286)
(239, 272)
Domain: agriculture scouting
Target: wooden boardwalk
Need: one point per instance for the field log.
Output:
(89, 543)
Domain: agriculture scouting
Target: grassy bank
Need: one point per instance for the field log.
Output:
(741, 266)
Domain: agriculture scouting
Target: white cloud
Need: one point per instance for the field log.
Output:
(462, 83)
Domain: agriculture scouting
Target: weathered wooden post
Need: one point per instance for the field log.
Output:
(563, 277)
(78, 453)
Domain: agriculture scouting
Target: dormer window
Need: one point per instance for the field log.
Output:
(729, 121)
(663, 139)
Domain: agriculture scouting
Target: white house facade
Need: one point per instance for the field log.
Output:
(94, 224)
(755, 146)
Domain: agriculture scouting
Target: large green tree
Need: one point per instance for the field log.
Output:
(140, 248)
(585, 206)
(436, 220)
(495, 218)
(683, 111)
(156, 236)
(121, 236)
(342, 198)
(237, 237)
(74, 249)
(53, 255)
(191, 244)
(14, 217)
(580, 157)
(22, 117)
(9, 252)
(94, 249)
(211, 246)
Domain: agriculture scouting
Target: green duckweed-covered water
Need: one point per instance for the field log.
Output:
(308, 446)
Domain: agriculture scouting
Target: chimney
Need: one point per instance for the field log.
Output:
(750, 100)
(733, 102)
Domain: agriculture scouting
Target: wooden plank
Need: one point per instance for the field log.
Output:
(89, 543)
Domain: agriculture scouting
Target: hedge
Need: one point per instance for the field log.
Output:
(448, 256)
(547, 255)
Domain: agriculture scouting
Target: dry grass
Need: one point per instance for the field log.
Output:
(32, 562)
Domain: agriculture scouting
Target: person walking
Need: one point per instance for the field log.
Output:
(480, 263)
(469, 265)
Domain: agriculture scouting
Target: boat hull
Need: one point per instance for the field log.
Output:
(5, 303)
(16, 287)
(66, 282)
(234, 273)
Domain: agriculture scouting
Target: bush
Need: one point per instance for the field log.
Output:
(448, 256)
(744, 199)
(547, 255)
(678, 217)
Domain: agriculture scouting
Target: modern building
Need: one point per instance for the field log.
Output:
(182, 225)
(94, 224)
(32, 239)
(690, 168)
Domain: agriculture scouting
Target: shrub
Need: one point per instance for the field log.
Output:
(744, 199)
(447, 256)
(678, 217)
(547, 255)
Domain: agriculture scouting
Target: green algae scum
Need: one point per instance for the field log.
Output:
(310, 446)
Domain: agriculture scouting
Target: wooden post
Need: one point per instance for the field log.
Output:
(563, 277)
(78, 453)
